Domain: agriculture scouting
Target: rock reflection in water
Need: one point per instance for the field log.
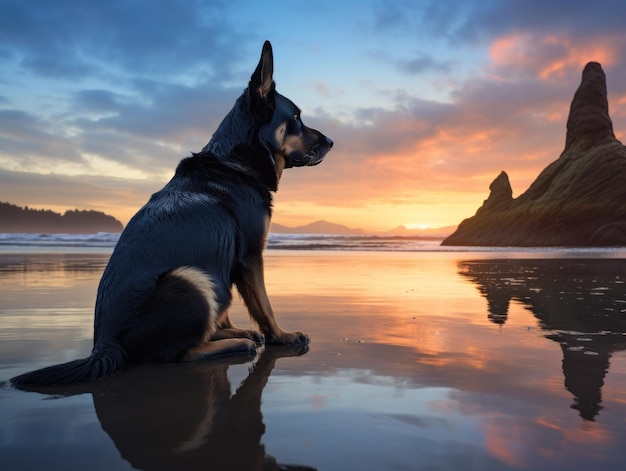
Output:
(580, 302)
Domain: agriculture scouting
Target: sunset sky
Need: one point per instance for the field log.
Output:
(427, 101)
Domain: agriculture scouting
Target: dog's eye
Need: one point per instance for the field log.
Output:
(294, 126)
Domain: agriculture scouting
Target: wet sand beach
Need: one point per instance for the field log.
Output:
(420, 360)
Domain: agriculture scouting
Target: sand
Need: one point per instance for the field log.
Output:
(417, 361)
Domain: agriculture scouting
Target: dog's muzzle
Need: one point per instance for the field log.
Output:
(314, 157)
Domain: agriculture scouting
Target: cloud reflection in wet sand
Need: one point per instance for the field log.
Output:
(428, 359)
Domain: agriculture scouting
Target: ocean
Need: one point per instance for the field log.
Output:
(104, 242)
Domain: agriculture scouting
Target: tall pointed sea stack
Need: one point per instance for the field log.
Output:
(577, 200)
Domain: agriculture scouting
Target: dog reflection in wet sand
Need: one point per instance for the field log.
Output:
(173, 416)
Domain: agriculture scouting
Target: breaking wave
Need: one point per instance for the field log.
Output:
(105, 241)
(43, 240)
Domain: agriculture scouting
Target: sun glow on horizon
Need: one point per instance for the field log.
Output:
(420, 226)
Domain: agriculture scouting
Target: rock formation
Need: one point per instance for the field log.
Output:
(577, 200)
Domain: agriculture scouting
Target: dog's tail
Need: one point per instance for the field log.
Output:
(103, 361)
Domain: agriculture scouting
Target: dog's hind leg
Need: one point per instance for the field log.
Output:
(179, 315)
(219, 348)
(237, 333)
(227, 330)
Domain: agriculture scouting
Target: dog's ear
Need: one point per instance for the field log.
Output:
(262, 79)
(261, 86)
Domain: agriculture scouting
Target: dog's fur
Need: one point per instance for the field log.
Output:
(165, 292)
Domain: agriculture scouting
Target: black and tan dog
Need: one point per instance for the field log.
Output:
(165, 292)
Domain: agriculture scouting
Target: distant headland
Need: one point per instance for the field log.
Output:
(14, 219)
(577, 200)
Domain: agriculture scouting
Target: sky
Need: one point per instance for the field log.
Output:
(426, 101)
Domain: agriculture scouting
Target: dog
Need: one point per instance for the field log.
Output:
(165, 292)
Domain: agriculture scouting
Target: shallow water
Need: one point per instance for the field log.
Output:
(468, 361)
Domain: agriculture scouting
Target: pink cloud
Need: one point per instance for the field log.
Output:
(551, 56)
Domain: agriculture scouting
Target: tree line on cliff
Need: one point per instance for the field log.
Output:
(15, 219)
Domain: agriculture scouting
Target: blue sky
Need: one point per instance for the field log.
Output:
(427, 101)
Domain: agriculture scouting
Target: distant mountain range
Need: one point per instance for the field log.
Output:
(325, 227)
(15, 219)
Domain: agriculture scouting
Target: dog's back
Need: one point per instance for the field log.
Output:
(206, 216)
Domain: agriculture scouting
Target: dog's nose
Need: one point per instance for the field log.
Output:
(329, 141)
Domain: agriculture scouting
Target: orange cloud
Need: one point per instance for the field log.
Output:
(577, 55)
(552, 56)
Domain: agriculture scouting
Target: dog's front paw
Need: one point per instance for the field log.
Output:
(257, 338)
(287, 338)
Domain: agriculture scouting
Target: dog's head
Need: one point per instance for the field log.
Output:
(264, 116)
(282, 132)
